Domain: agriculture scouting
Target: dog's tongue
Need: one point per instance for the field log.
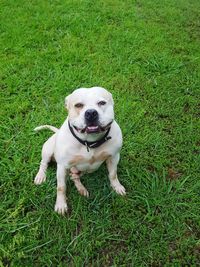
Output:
(92, 129)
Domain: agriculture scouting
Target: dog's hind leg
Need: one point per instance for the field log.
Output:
(47, 154)
(75, 177)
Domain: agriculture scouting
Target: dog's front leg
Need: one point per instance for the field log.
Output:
(61, 204)
(112, 169)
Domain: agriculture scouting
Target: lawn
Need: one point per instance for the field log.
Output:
(147, 53)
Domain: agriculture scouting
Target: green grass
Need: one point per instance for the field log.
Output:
(147, 54)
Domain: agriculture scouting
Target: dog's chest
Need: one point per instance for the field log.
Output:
(89, 161)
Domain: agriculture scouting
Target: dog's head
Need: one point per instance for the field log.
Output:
(90, 109)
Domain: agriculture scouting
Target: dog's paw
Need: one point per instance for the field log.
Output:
(83, 192)
(40, 178)
(61, 207)
(119, 189)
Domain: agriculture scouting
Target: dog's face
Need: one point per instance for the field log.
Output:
(90, 109)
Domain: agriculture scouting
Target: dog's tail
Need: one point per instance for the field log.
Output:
(52, 128)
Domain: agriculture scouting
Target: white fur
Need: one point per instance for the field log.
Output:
(71, 156)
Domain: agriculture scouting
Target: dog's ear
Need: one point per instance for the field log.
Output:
(67, 100)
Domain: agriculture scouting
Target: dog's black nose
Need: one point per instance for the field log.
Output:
(91, 115)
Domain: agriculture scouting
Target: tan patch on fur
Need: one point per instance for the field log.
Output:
(61, 189)
(101, 157)
(76, 160)
(73, 111)
(82, 192)
(112, 172)
(74, 173)
(113, 175)
(78, 110)
(92, 160)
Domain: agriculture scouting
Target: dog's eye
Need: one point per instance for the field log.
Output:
(79, 105)
(101, 103)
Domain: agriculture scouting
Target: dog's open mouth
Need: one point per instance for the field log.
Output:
(93, 128)
(89, 129)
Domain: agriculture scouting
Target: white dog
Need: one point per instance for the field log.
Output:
(88, 137)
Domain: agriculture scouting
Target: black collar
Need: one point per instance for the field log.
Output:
(93, 144)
